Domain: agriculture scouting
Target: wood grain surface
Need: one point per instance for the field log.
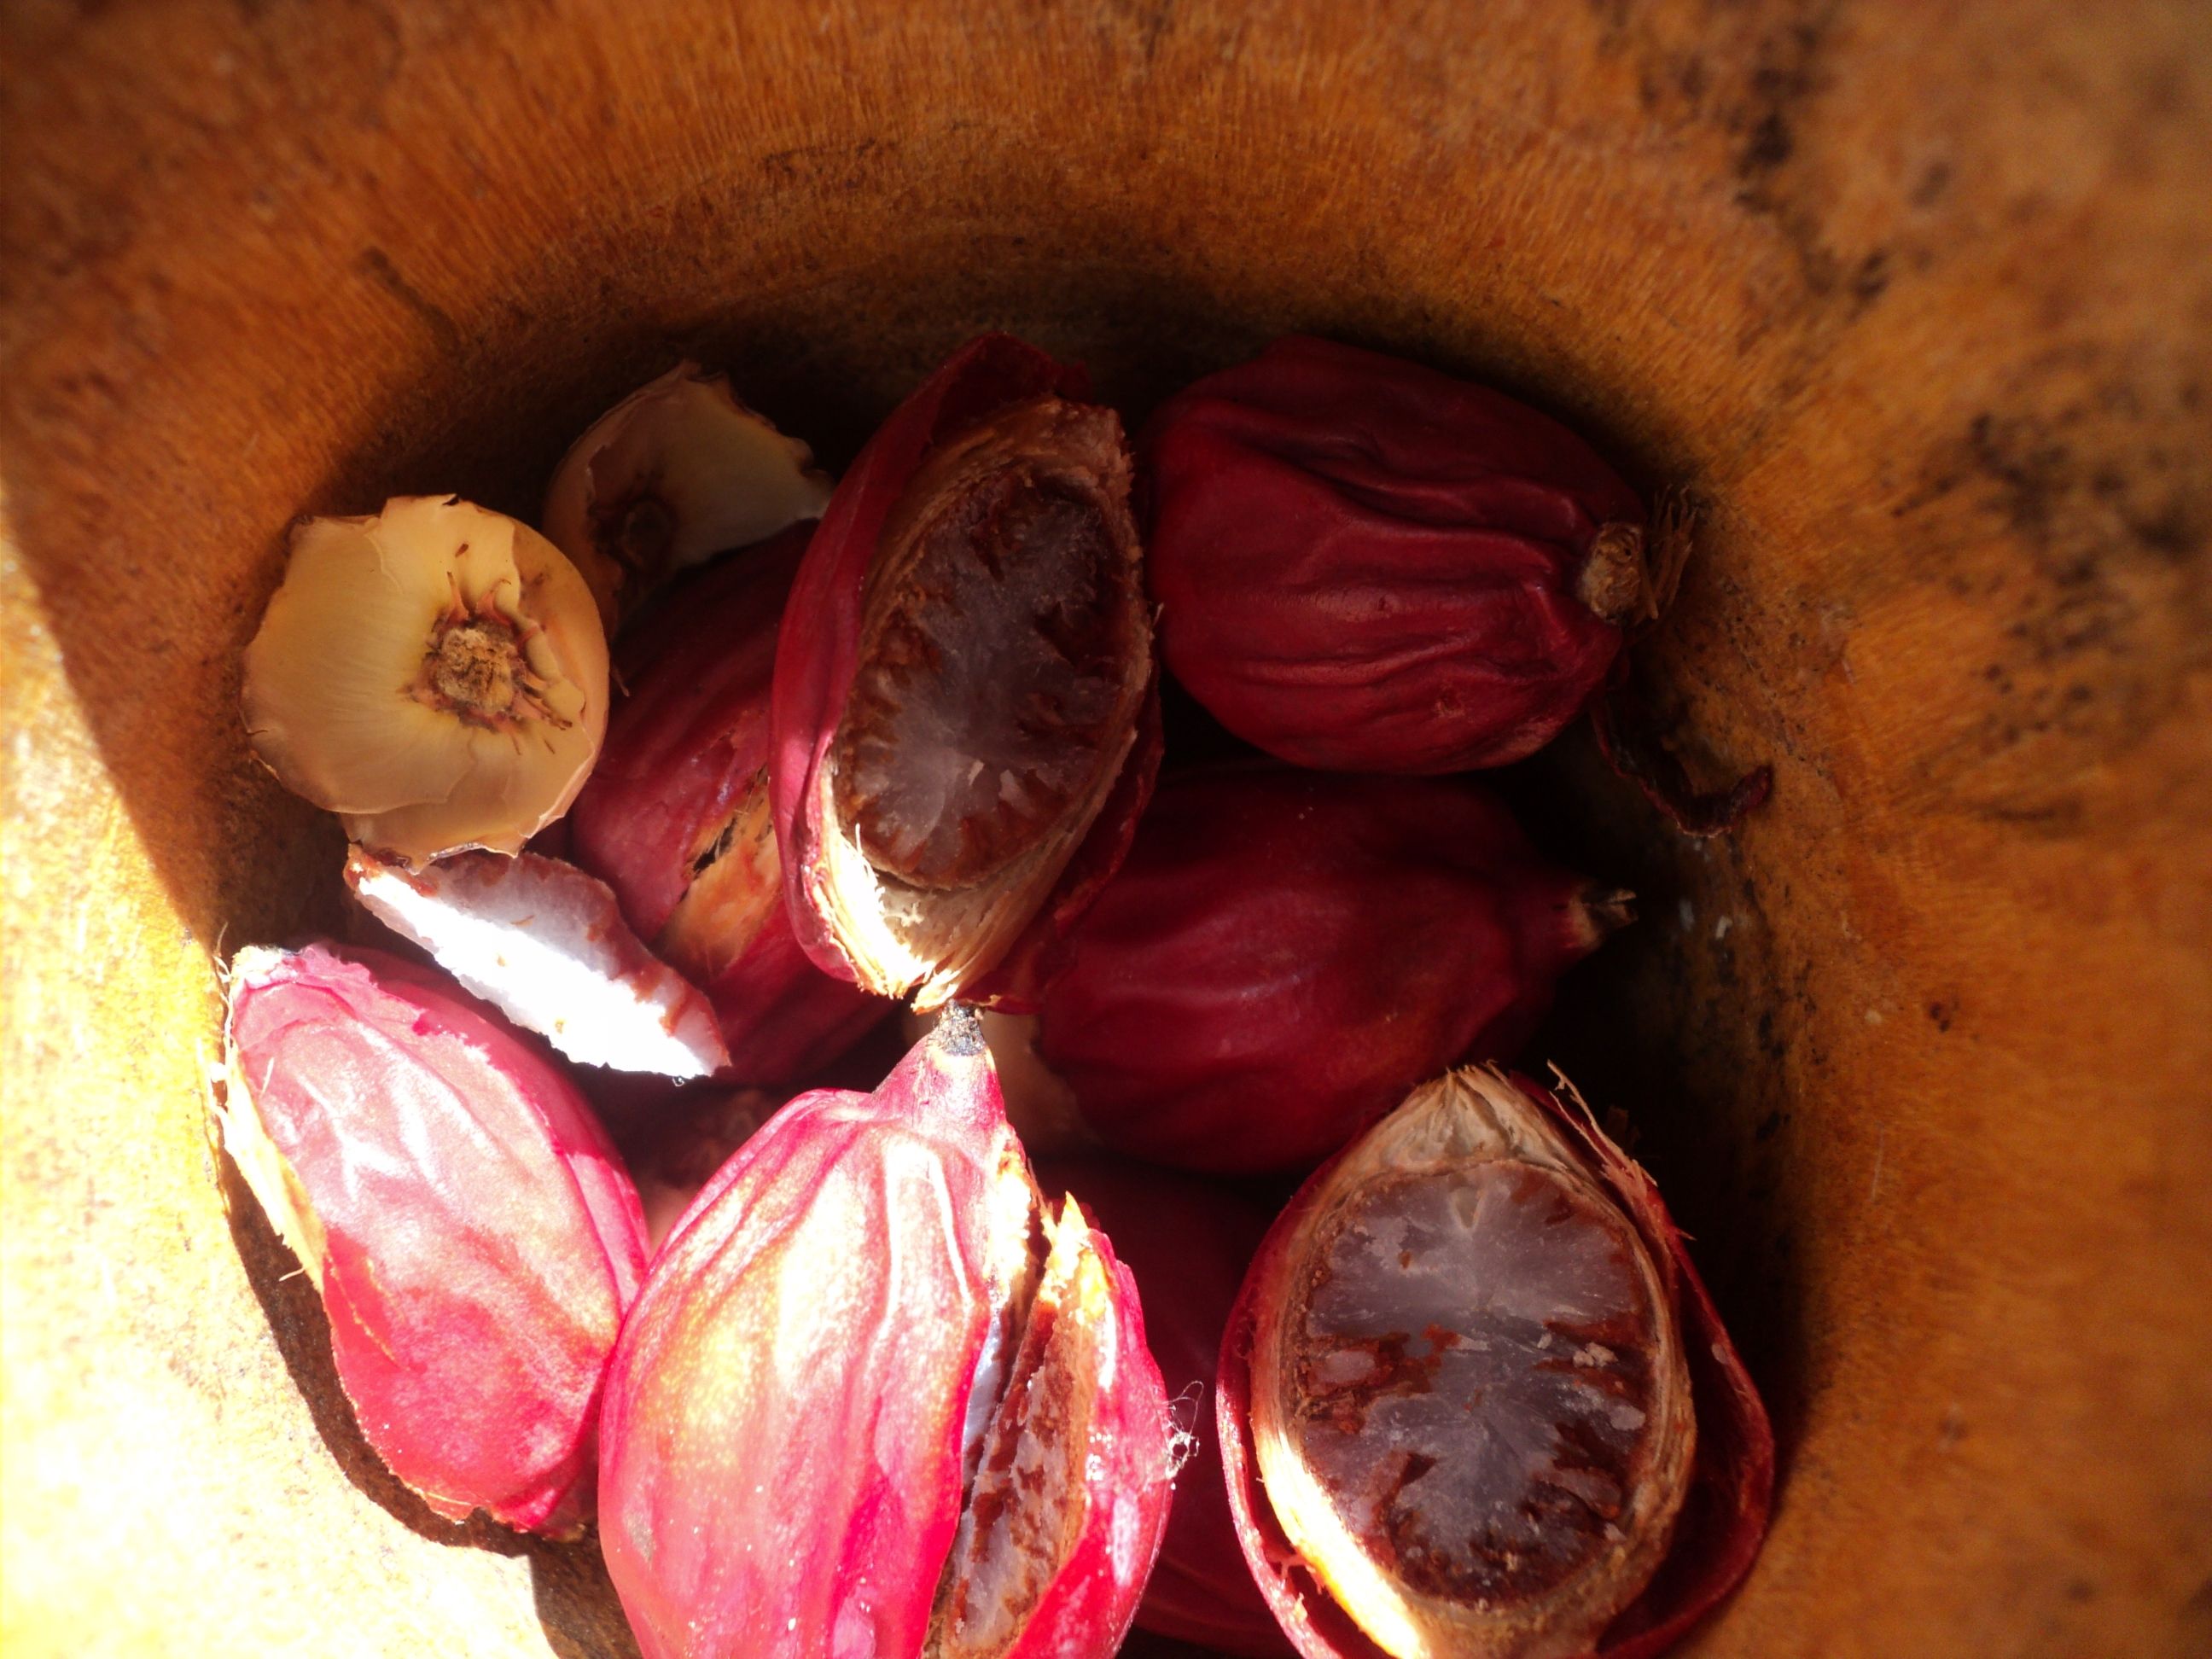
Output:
(1916, 298)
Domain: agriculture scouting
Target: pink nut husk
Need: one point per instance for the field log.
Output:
(1285, 954)
(675, 819)
(1188, 1242)
(470, 1227)
(1713, 1539)
(547, 945)
(873, 1397)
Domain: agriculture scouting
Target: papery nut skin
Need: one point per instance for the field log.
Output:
(1710, 1542)
(472, 1231)
(815, 1372)
(1363, 565)
(675, 818)
(547, 945)
(675, 473)
(434, 673)
(995, 447)
(1187, 1243)
(1283, 954)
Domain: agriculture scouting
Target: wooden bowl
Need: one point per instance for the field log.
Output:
(1915, 299)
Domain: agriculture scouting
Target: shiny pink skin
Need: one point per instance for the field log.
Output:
(798, 1494)
(1128, 1490)
(1723, 1522)
(1284, 955)
(1366, 566)
(819, 653)
(481, 1236)
(681, 751)
(1188, 1242)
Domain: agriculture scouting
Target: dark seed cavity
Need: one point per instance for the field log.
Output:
(989, 702)
(636, 531)
(1475, 1378)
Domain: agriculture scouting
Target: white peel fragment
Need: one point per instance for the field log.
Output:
(546, 945)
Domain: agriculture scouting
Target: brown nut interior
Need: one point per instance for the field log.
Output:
(1026, 1506)
(994, 676)
(1471, 1405)
(1004, 657)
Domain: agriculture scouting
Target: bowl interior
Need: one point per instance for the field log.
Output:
(1915, 306)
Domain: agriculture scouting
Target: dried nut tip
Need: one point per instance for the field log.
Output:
(1613, 582)
(1465, 1257)
(1606, 910)
(678, 472)
(960, 1033)
(436, 674)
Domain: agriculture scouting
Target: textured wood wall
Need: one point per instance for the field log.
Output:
(1918, 298)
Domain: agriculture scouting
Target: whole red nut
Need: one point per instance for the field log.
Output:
(1285, 953)
(471, 1230)
(675, 818)
(1363, 565)
(966, 723)
(876, 1399)
(1474, 1398)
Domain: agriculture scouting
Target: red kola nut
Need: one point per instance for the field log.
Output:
(1285, 953)
(965, 721)
(675, 818)
(1474, 1400)
(876, 1399)
(1188, 1242)
(471, 1230)
(1366, 566)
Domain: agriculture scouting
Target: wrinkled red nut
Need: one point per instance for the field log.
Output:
(1187, 1243)
(1366, 566)
(471, 1230)
(965, 720)
(876, 1399)
(1285, 954)
(675, 818)
(1474, 1400)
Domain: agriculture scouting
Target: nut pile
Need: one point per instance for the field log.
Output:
(1310, 1331)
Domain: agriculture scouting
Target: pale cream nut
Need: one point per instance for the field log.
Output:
(678, 472)
(436, 674)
